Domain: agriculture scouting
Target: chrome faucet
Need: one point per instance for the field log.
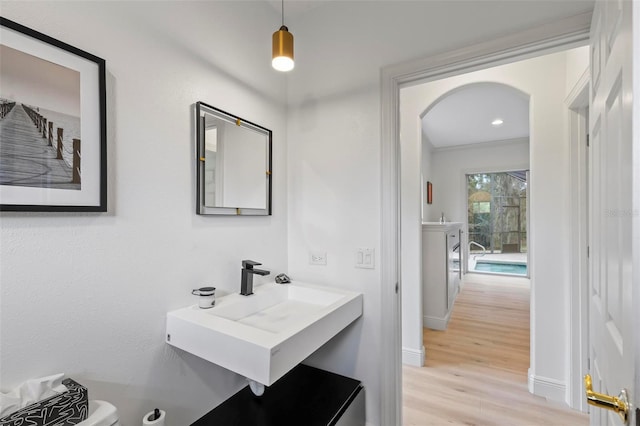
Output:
(246, 285)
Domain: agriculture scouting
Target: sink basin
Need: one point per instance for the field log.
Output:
(266, 334)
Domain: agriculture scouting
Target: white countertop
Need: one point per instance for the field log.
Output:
(437, 226)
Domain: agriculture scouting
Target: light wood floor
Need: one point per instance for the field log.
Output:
(476, 370)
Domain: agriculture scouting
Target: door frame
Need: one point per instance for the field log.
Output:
(635, 132)
(548, 38)
(578, 103)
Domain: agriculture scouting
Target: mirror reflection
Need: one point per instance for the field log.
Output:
(234, 164)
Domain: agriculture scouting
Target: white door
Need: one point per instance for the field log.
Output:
(612, 269)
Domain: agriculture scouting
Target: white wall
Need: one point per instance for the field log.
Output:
(86, 294)
(450, 167)
(335, 208)
(577, 64)
(426, 168)
(415, 161)
(549, 203)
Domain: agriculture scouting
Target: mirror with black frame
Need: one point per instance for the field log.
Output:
(233, 164)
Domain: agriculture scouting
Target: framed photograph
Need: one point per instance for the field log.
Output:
(53, 137)
(429, 193)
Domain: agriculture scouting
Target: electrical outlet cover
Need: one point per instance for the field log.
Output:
(317, 258)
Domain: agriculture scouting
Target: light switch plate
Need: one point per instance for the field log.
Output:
(365, 258)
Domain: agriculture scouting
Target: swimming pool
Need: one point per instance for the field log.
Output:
(501, 267)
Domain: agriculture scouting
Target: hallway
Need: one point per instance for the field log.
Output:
(476, 371)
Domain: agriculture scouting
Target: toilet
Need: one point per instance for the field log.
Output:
(101, 413)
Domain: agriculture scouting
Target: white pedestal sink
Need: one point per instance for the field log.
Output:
(266, 334)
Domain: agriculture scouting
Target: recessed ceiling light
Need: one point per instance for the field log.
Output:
(497, 122)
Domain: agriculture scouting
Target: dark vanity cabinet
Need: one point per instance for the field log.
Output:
(305, 396)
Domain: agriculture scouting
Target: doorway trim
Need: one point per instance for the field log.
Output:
(577, 103)
(548, 38)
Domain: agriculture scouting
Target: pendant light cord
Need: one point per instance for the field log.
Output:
(282, 12)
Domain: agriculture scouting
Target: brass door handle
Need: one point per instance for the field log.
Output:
(619, 404)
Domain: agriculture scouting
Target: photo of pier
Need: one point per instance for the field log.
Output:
(40, 122)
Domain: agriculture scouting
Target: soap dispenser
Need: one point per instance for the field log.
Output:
(442, 217)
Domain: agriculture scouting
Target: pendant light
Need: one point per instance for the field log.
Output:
(282, 58)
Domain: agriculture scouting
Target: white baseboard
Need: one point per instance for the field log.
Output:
(436, 323)
(413, 357)
(551, 389)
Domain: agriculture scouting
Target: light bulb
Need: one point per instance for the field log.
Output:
(282, 63)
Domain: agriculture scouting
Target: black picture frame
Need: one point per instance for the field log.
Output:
(65, 171)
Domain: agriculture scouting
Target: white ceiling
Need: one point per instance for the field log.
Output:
(293, 9)
(464, 115)
(341, 45)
